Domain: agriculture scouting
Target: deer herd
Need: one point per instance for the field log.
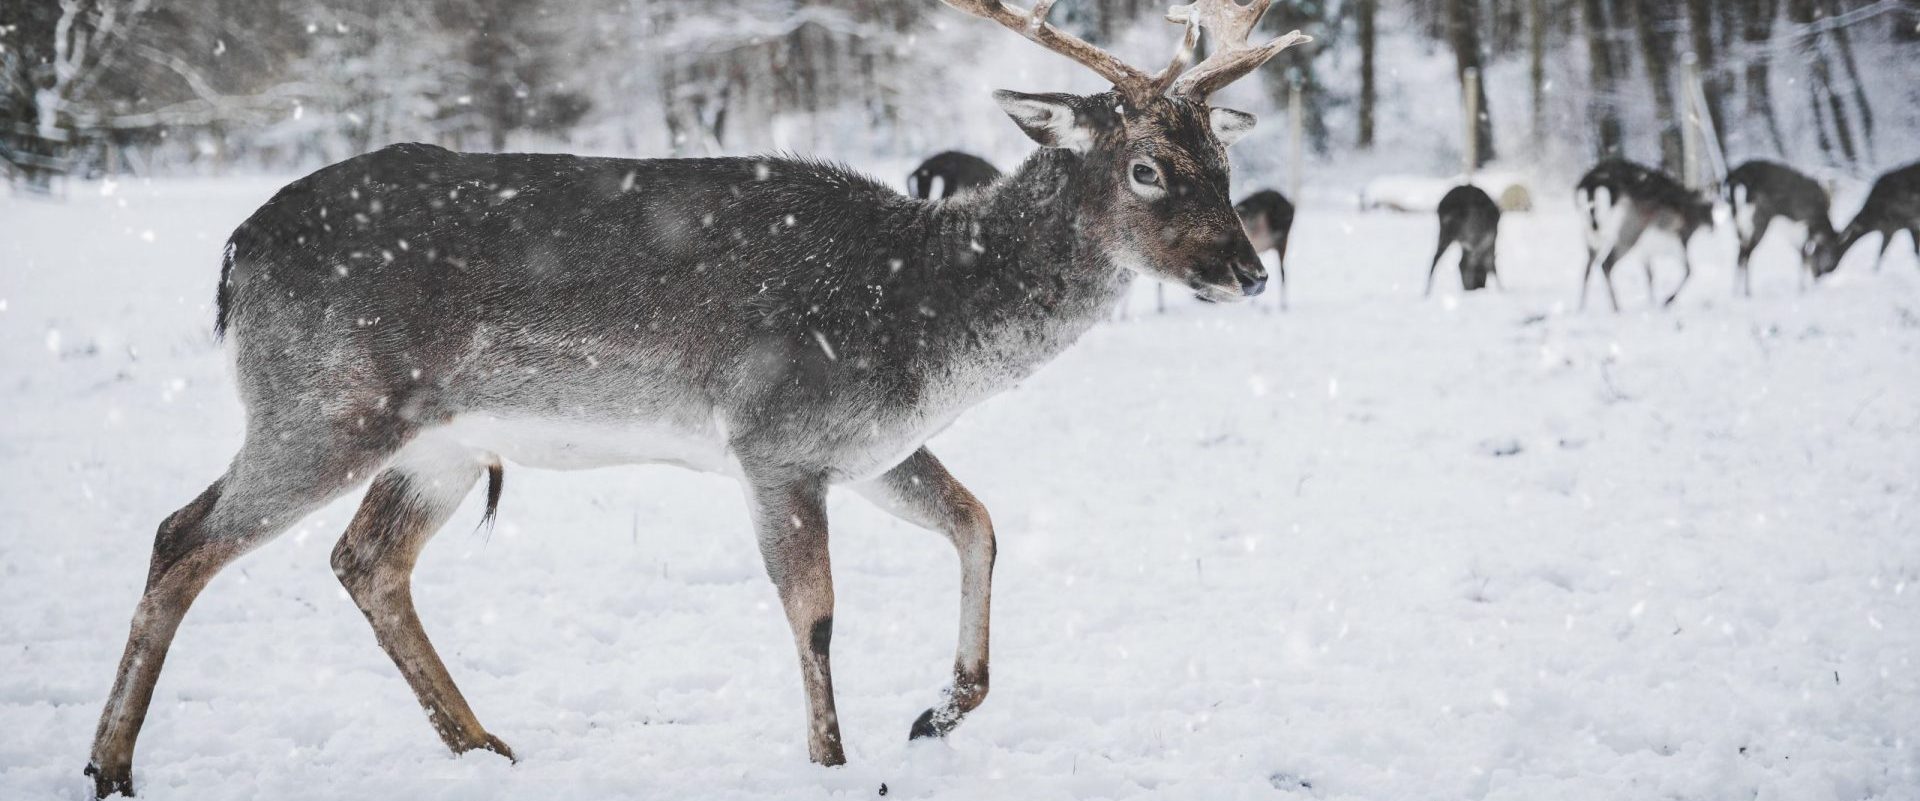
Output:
(1620, 204)
(415, 318)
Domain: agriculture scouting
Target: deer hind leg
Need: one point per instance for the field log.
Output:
(922, 492)
(1280, 266)
(1280, 262)
(1629, 236)
(790, 521)
(1606, 275)
(1446, 239)
(274, 482)
(1586, 278)
(1749, 240)
(374, 560)
(1686, 272)
(1493, 264)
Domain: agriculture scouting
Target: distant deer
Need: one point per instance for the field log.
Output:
(1619, 201)
(950, 173)
(1472, 220)
(416, 316)
(1762, 191)
(1268, 218)
(1892, 205)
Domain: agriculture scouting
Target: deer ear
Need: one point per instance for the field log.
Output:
(1049, 119)
(1229, 125)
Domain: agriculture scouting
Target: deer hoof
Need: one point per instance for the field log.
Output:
(111, 781)
(935, 723)
(923, 727)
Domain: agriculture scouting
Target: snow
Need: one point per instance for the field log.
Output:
(1375, 547)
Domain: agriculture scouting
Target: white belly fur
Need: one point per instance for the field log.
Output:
(579, 445)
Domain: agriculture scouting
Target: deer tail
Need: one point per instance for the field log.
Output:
(496, 476)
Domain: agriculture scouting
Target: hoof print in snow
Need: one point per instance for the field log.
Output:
(1288, 782)
(1500, 447)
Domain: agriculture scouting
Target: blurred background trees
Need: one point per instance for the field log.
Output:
(165, 86)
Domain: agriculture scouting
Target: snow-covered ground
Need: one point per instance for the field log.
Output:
(1376, 547)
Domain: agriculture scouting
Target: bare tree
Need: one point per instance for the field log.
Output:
(1756, 32)
(1700, 36)
(1367, 9)
(1652, 24)
(1602, 65)
(88, 38)
(1463, 27)
(1537, 69)
(1829, 110)
(1843, 42)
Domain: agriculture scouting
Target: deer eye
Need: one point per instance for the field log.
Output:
(1144, 173)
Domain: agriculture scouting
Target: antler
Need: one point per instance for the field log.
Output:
(1033, 25)
(1182, 56)
(1227, 24)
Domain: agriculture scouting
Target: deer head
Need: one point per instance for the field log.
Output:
(1152, 150)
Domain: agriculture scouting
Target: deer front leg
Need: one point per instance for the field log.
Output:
(790, 520)
(921, 491)
(1593, 260)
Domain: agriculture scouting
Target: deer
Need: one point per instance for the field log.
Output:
(413, 318)
(1268, 218)
(1470, 219)
(1621, 201)
(1761, 192)
(949, 173)
(1891, 206)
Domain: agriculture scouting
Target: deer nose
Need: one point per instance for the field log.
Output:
(1252, 278)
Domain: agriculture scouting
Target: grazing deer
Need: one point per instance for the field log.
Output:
(1472, 220)
(1760, 192)
(950, 173)
(1892, 205)
(1621, 201)
(416, 316)
(1268, 218)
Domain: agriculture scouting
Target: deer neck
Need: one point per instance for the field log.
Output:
(1012, 282)
(1027, 235)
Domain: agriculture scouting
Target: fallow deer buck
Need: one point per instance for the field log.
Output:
(1762, 192)
(1893, 205)
(417, 316)
(1619, 202)
(949, 173)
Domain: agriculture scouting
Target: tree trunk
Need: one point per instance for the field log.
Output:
(1463, 26)
(1537, 70)
(1713, 81)
(1656, 50)
(1757, 31)
(1829, 110)
(1366, 12)
(1605, 78)
(1844, 42)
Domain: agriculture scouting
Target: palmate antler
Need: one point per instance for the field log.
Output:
(1225, 22)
